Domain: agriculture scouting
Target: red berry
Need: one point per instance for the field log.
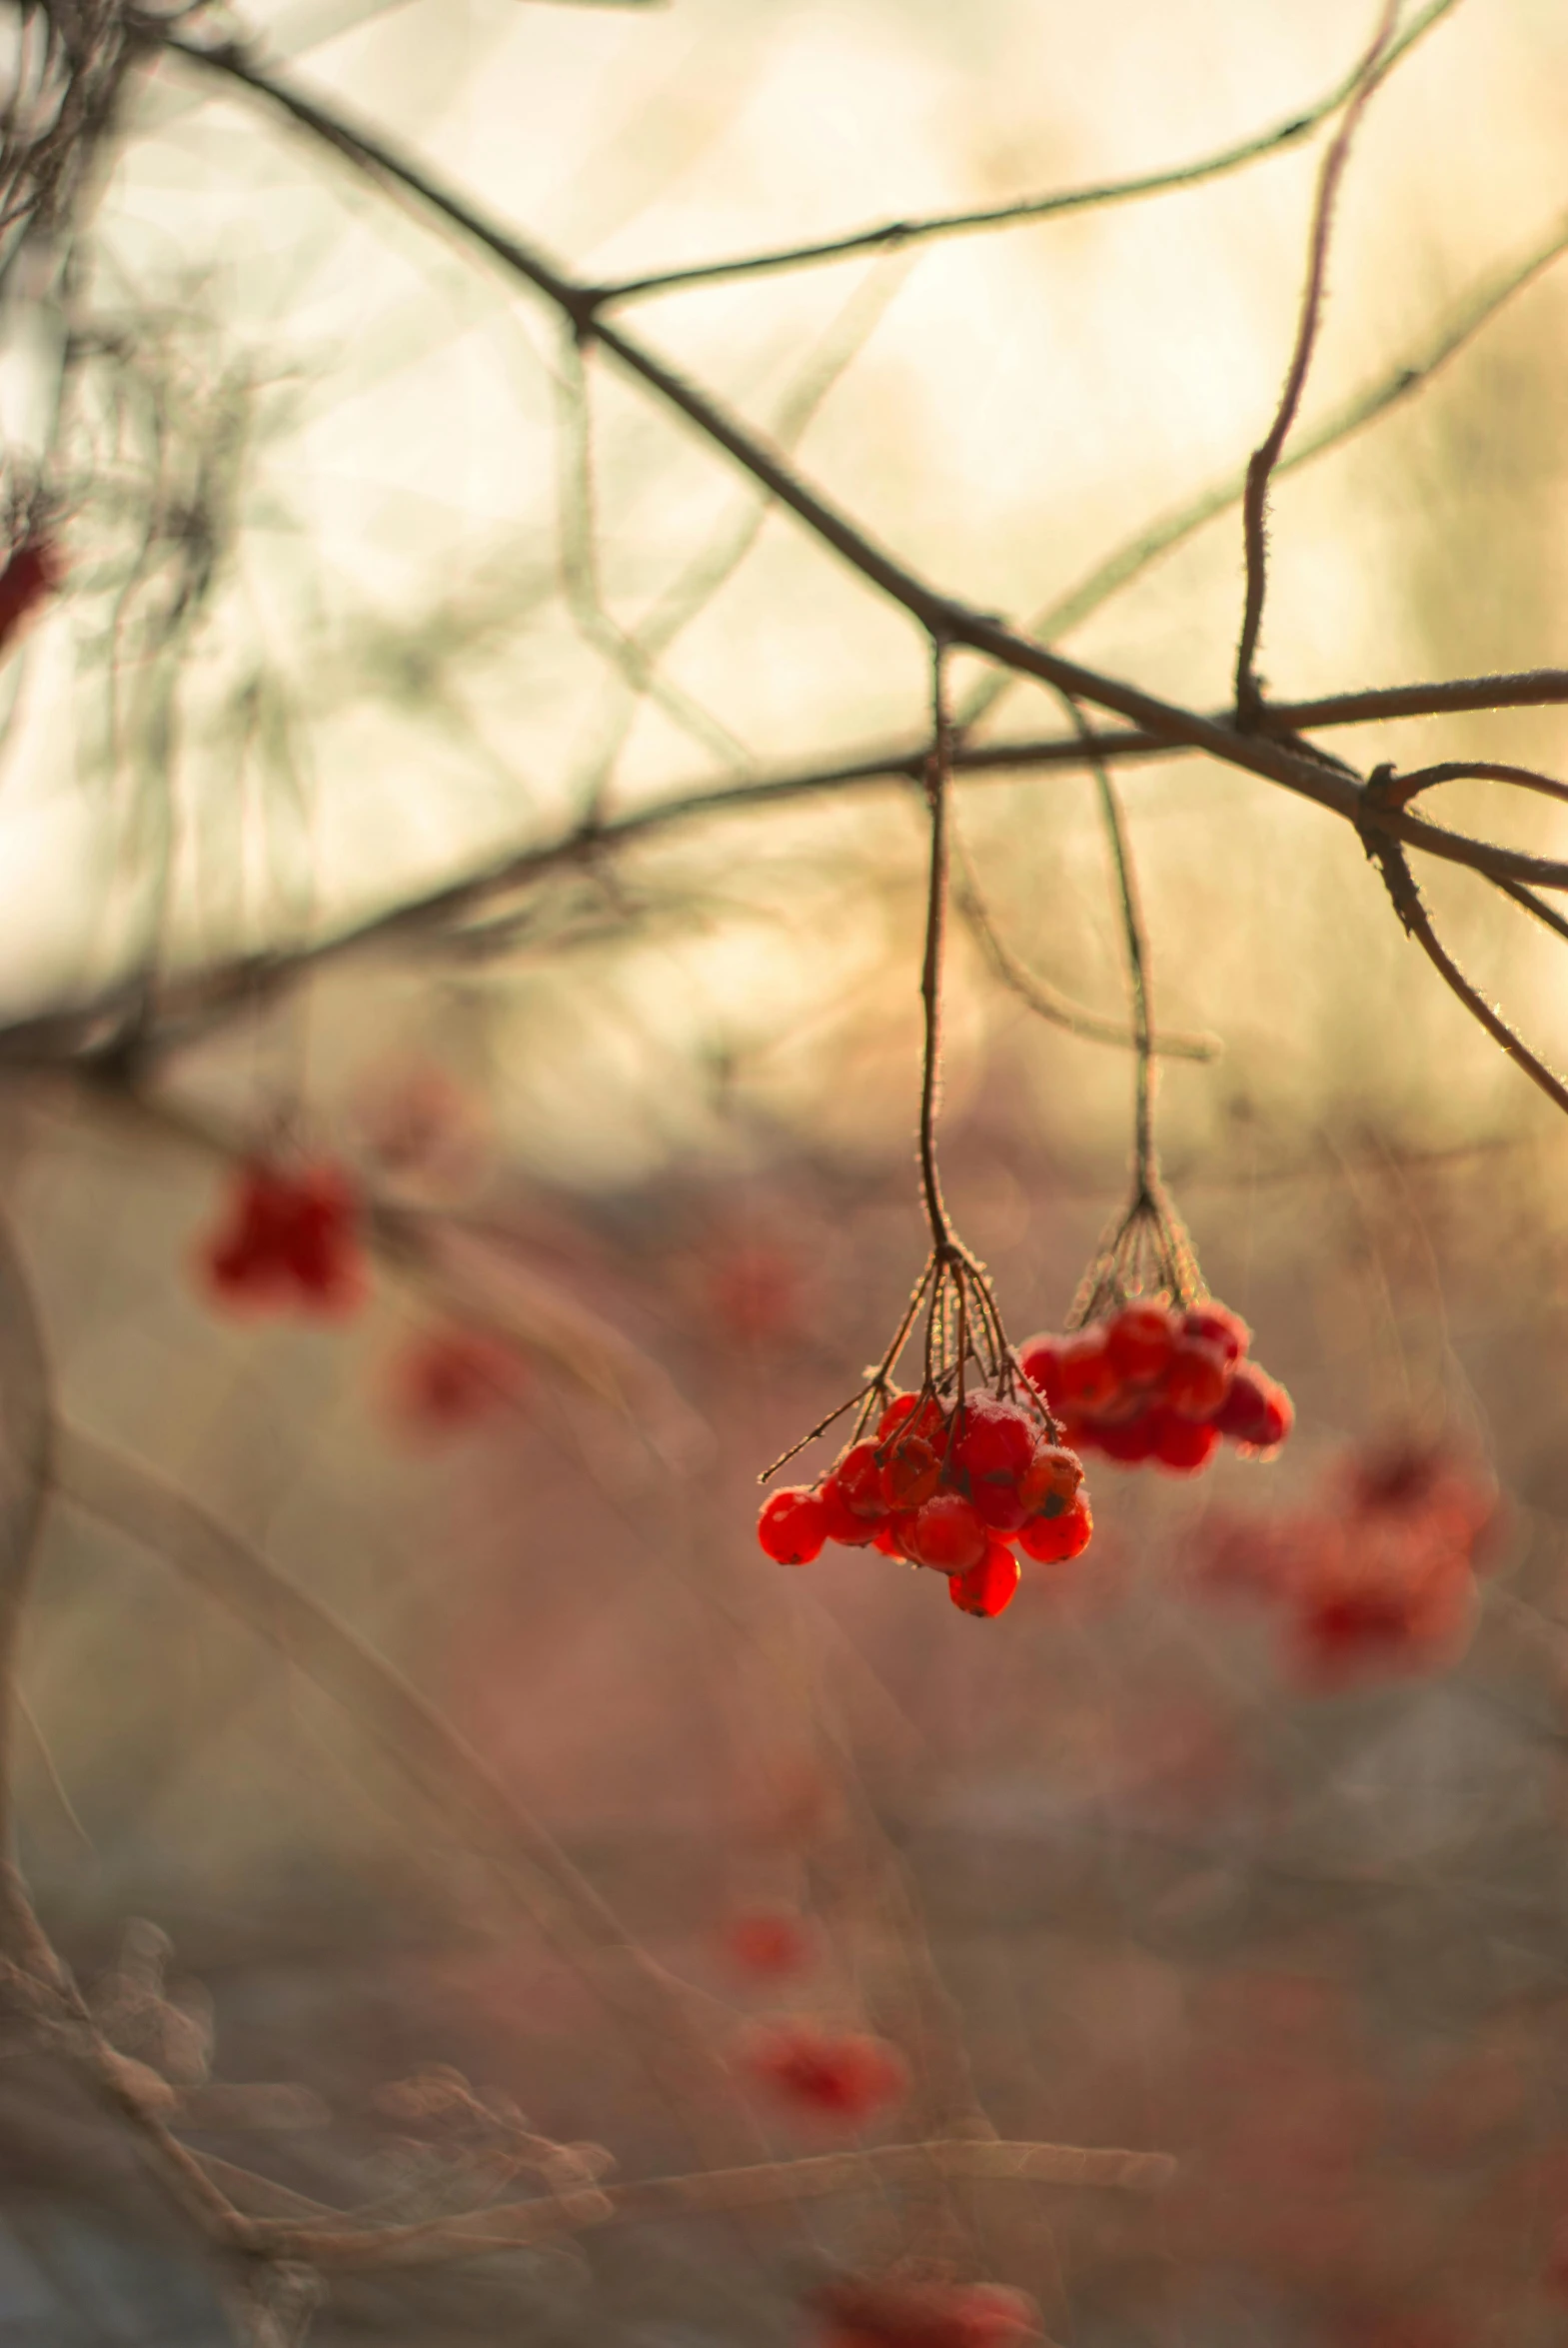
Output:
(858, 1477)
(901, 1407)
(33, 571)
(1051, 1480)
(291, 1240)
(1141, 1341)
(449, 1379)
(1216, 1324)
(998, 1442)
(792, 1526)
(840, 1524)
(1128, 1440)
(769, 1943)
(844, 2075)
(1198, 1380)
(1088, 1380)
(946, 1532)
(892, 1537)
(1040, 1360)
(1184, 1444)
(863, 2313)
(912, 1473)
(988, 1586)
(1256, 1413)
(1001, 1506)
(1051, 1540)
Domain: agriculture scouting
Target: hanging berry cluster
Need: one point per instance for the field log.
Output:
(950, 1476)
(1151, 1367)
(971, 1464)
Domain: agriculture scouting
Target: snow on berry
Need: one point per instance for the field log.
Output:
(290, 1243)
(834, 2074)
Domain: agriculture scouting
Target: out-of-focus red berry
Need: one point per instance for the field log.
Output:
(1129, 1440)
(33, 571)
(840, 1524)
(753, 1294)
(1196, 1378)
(769, 1944)
(946, 1532)
(1040, 1360)
(1216, 1324)
(1140, 1339)
(1085, 1373)
(1183, 1445)
(792, 1526)
(859, 2312)
(449, 1379)
(991, 1585)
(841, 2075)
(1256, 1414)
(1051, 1540)
(291, 1240)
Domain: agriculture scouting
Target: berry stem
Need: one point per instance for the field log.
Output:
(937, 771)
(1145, 1161)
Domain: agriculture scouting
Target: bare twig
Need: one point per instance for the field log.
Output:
(1401, 382)
(1042, 998)
(938, 614)
(1394, 865)
(818, 2177)
(899, 234)
(1266, 455)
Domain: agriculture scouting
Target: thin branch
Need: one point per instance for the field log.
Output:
(941, 616)
(1400, 883)
(1138, 553)
(817, 2177)
(192, 1004)
(1267, 454)
(1399, 789)
(1040, 995)
(900, 234)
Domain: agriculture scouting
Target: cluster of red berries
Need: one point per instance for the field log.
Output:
(1377, 1581)
(861, 2313)
(290, 1241)
(844, 2075)
(950, 1485)
(1147, 1381)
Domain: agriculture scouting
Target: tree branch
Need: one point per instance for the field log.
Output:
(900, 234)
